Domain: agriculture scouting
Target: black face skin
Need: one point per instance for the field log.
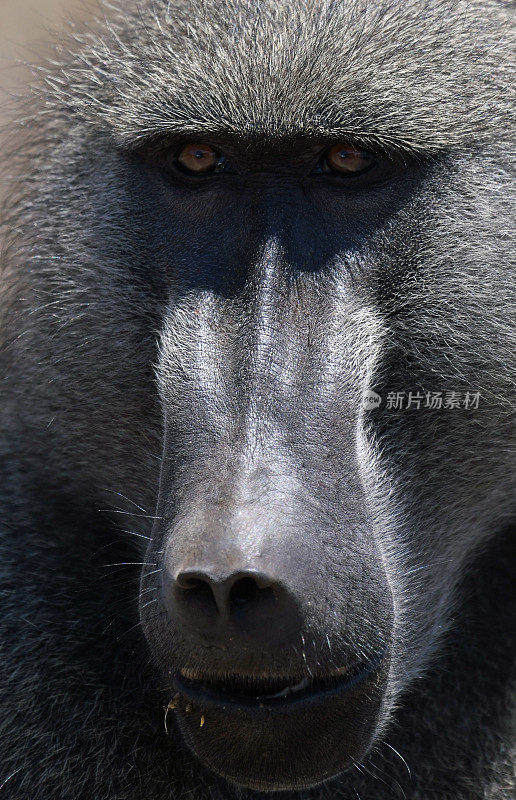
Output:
(262, 552)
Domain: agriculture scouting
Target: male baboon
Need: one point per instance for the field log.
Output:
(223, 569)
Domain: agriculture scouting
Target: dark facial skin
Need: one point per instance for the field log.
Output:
(264, 543)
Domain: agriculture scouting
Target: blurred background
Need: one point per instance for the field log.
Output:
(27, 28)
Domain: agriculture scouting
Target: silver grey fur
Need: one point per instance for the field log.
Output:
(81, 427)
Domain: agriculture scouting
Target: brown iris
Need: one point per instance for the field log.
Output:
(344, 159)
(198, 158)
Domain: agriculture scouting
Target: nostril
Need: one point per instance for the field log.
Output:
(215, 604)
(185, 581)
(248, 591)
(244, 591)
(196, 593)
(205, 598)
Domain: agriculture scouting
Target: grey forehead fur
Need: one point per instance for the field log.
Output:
(419, 76)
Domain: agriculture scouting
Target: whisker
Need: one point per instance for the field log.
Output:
(125, 633)
(399, 756)
(9, 777)
(127, 513)
(139, 535)
(119, 494)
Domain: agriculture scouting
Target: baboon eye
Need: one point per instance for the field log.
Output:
(199, 159)
(346, 161)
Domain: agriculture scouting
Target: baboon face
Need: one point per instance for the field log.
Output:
(303, 204)
(275, 611)
(292, 514)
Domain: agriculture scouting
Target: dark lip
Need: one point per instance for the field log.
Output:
(319, 689)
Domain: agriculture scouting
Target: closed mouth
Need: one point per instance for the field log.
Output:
(250, 692)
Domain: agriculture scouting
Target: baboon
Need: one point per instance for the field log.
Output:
(258, 335)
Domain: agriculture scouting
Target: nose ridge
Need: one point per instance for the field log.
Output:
(246, 603)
